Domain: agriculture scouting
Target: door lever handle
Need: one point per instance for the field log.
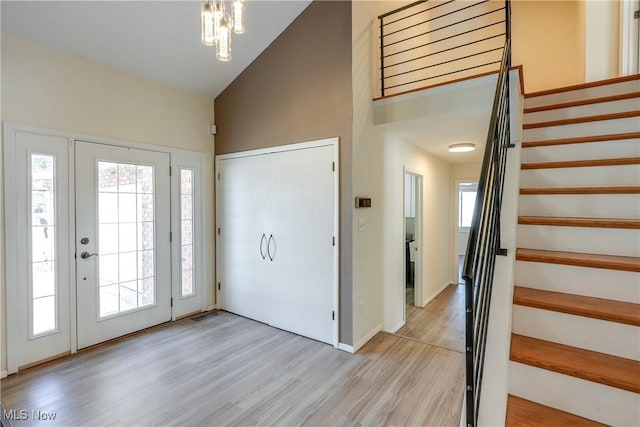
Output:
(86, 255)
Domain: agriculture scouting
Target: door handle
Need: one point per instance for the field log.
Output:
(271, 238)
(262, 239)
(87, 255)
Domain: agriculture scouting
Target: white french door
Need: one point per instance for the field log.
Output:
(100, 241)
(123, 272)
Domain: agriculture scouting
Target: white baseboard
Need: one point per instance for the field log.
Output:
(212, 307)
(397, 327)
(361, 342)
(436, 293)
(345, 347)
(3, 374)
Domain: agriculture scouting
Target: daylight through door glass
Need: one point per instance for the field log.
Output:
(125, 237)
(186, 223)
(43, 244)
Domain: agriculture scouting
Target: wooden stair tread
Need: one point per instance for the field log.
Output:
(596, 308)
(580, 86)
(633, 224)
(582, 163)
(581, 190)
(589, 101)
(525, 413)
(582, 139)
(585, 119)
(610, 262)
(585, 364)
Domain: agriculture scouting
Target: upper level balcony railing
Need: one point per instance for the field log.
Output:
(426, 43)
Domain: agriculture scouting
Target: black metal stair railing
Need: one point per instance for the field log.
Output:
(484, 236)
(430, 42)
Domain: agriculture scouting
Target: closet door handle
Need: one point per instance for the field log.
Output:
(271, 239)
(262, 254)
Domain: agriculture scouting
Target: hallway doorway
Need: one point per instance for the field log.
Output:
(412, 241)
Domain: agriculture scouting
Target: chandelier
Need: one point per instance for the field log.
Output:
(217, 25)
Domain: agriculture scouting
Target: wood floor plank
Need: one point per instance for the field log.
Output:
(623, 161)
(631, 224)
(588, 365)
(228, 370)
(586, 119)
(441, 322)
(610, 262)
(524, 413)
(581, 139)
(589, 101)
(596, 308)
(581, 190)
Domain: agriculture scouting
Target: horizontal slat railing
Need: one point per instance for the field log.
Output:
(429, 42)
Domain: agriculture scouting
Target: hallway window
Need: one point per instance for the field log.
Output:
(466, 203)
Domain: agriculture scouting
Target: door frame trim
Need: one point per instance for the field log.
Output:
(333, 142)
(9, 130)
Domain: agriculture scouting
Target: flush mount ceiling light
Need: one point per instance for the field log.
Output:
(216, 25)
(462, 147)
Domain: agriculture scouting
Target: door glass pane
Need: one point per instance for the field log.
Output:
(186, 231)
(43, 246)
(126, 234)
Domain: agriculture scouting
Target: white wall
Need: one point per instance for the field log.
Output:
(602, 37)
(379, 160)
(49, 89)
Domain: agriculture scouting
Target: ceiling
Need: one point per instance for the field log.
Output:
(160, 40)
(157, 40)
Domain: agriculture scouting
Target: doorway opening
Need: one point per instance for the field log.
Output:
(412, 242)
(90, 235)
(467, 191)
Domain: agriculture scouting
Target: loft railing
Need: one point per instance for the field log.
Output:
(484, 236)
(429, 42)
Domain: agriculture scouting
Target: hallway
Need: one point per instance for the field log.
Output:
(439, 323)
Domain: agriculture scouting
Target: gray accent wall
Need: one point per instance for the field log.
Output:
(300, 89)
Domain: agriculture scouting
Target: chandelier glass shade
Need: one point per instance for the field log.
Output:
(217, 26)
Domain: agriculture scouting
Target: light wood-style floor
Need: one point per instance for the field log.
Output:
(228, 370)
(441, 322)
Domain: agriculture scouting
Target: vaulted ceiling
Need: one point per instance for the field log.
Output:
(157, 40)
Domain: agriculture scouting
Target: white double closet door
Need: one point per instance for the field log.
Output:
(276, 256)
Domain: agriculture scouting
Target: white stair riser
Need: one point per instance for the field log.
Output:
(576, 130)
(604, 241)
(583, 151)
(596, 109)
(587, 281)
(591, 176)
(577, 331)
(608, 405)
(582, 94)
(625, 206)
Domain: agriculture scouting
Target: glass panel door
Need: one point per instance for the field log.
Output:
(122, 248)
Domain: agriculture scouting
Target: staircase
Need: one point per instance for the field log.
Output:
(575, 347)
